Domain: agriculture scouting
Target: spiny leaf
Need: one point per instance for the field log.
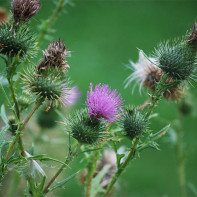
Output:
(60, 184)
(96, 188)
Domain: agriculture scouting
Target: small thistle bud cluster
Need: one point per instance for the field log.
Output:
(177, 59)
(103, 103)
(3, 16)
(21, 42)
(54, 56)
(23, 10)
(83, 129)
(147, 74)
(133, 123)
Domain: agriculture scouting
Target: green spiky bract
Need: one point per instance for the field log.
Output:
(47, 87)
(16, 40)
(84, 129)
(133, 123)
(176, 58)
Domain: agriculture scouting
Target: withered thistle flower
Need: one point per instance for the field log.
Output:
(3, 16)
(23, 10)
(54, 56)
(146, 73)
(193, 35)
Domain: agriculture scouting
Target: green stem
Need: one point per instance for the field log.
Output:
(68, 160)
(160, 88)
(92, 164)
(51, 20)
(180, 157)
(123, 167)
(17, 136)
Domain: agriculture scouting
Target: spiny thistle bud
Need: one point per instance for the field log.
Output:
(193, 36)
(103, 103)
(12, 43)
(147, 74)
(133, 123)
(50, 86)
(3, 16)
(177, 59)
(13, 125)
(23, 10)
(54, 56)
(83, 129)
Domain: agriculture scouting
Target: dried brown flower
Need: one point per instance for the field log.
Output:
(146, 73)
(3, 16)
(54, 56)
(23, 10)
(193, 35)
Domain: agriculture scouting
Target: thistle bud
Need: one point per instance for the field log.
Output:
(50, 86)
(54, 56)
(13, 125)
(133, 123)
(193, 36)
(177, 59)
(21, 42)
(3, 16)
(83, 129)
(23, 10)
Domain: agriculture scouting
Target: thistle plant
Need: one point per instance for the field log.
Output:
(105, 122)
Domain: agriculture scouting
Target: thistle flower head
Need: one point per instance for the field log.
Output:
(193, 35)
(146, 73)
(103, 103)
(177, 59)
(83, 129)
(133, 123)
(22, 41)
(23, 10)
(3, 16)
(54, 56)
(50, 86)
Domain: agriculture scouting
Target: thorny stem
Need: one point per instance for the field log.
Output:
(145, 105)
(91, 170)
(12, 145)
(51, 20)
(122, 168)
(68, 160)
(180, 157)
(161, 86)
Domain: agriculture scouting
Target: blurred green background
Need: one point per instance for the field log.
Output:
(103, 35)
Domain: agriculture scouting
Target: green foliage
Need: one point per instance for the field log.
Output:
(176, 58)
(62, 183)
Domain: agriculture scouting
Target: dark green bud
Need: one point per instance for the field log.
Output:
(47, 118)
(133, 123)
(177, 59)
(13, 125)
(14, 41)
(84, 129)
(186, 107)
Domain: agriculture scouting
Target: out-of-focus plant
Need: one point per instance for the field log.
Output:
(103, 122)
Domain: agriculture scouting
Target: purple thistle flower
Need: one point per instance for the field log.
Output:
(103, 103)
(70, 96)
